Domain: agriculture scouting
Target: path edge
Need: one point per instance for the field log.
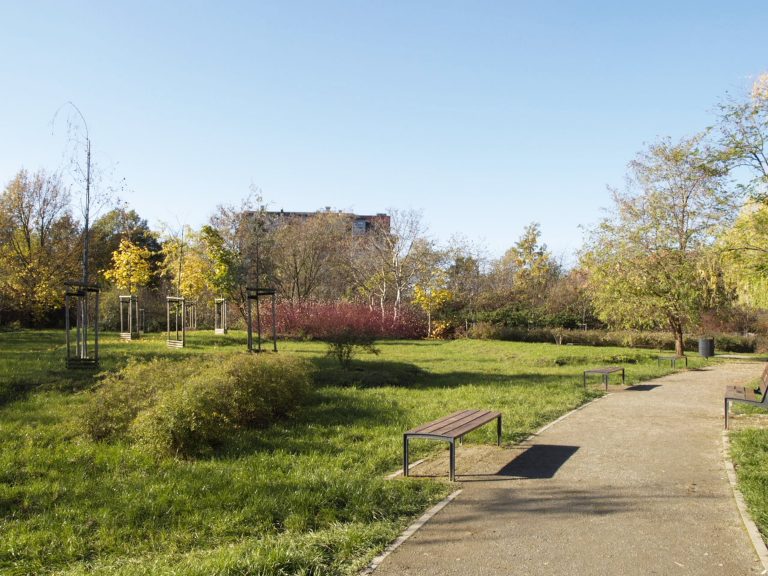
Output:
(754, 534)
(427, 516)
(410, 531)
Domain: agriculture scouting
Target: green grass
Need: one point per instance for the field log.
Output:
(305, 496)
(749, 451)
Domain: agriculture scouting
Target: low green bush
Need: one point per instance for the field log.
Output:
(190, 408)
(122, 395)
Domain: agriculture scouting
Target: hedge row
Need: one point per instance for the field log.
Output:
(652, 340)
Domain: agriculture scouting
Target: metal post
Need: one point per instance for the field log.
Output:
(250, 326)
(258, 320)
(274, 323)
(96, 332)
(453, 460)
(405, 455)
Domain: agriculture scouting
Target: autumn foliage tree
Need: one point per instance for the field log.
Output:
(644, 260)
(39, 245)
(131, 266)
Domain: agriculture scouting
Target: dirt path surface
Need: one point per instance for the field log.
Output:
(632, 484)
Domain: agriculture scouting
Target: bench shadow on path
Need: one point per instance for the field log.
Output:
(641, 387)
(538, 462)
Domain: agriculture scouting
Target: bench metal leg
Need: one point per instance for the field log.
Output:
(405, 455)
(605, 381)
(727, 402)
(453, 460)
(498, 431)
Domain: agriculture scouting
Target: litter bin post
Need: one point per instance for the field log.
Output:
(706, 347)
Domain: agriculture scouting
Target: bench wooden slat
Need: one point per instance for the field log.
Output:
(457, 424)
(606, 370)
(431, 427)
(473, 424)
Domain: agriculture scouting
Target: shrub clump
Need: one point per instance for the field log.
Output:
(189, 408)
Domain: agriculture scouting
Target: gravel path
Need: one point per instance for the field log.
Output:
(632, 484)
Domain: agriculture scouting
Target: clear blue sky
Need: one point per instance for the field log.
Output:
(485, 116)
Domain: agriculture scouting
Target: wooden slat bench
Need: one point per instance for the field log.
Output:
(451, 428)
(747, 395)
(606, 371)
(672, 360)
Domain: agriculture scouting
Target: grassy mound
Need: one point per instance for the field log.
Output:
(189, 407)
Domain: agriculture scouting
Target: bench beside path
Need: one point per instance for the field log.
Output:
(449, 429)
(631, 484)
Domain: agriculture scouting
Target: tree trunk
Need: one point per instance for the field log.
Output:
(677, 330)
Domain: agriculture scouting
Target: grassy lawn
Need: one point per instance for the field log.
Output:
(306, 496)
(749, 451)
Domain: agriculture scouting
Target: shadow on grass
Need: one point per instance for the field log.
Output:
(345, 418)
(379, 373)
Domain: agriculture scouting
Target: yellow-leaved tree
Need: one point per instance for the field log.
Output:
(432, 295)
(131, 268)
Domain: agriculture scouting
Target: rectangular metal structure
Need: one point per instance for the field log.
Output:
(179, 332)
(129, 317)
(254, 294)
(220, 316)
(80, 355)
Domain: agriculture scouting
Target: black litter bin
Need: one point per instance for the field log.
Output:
(706, 347)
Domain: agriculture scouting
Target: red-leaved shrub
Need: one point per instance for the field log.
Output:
(329, 320)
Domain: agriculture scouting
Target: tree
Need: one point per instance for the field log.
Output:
(569, 301)
(224, 262)
(387, 259)
(743, 129)
(131, 266)
(114, 226)
(432, 295)
(644, 259)
(529, 266)
(185, 265)
(744, 248)
(310, 255)
(463, 266)
(38, 244)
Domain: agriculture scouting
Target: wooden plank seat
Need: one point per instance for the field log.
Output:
(747, 395)
(605, 372)
(449, 429)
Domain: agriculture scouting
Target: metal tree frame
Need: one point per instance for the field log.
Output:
(81, 355)
(254, 294)
(130, 327)
(220, 316)
(190, 316)
(179, 314)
